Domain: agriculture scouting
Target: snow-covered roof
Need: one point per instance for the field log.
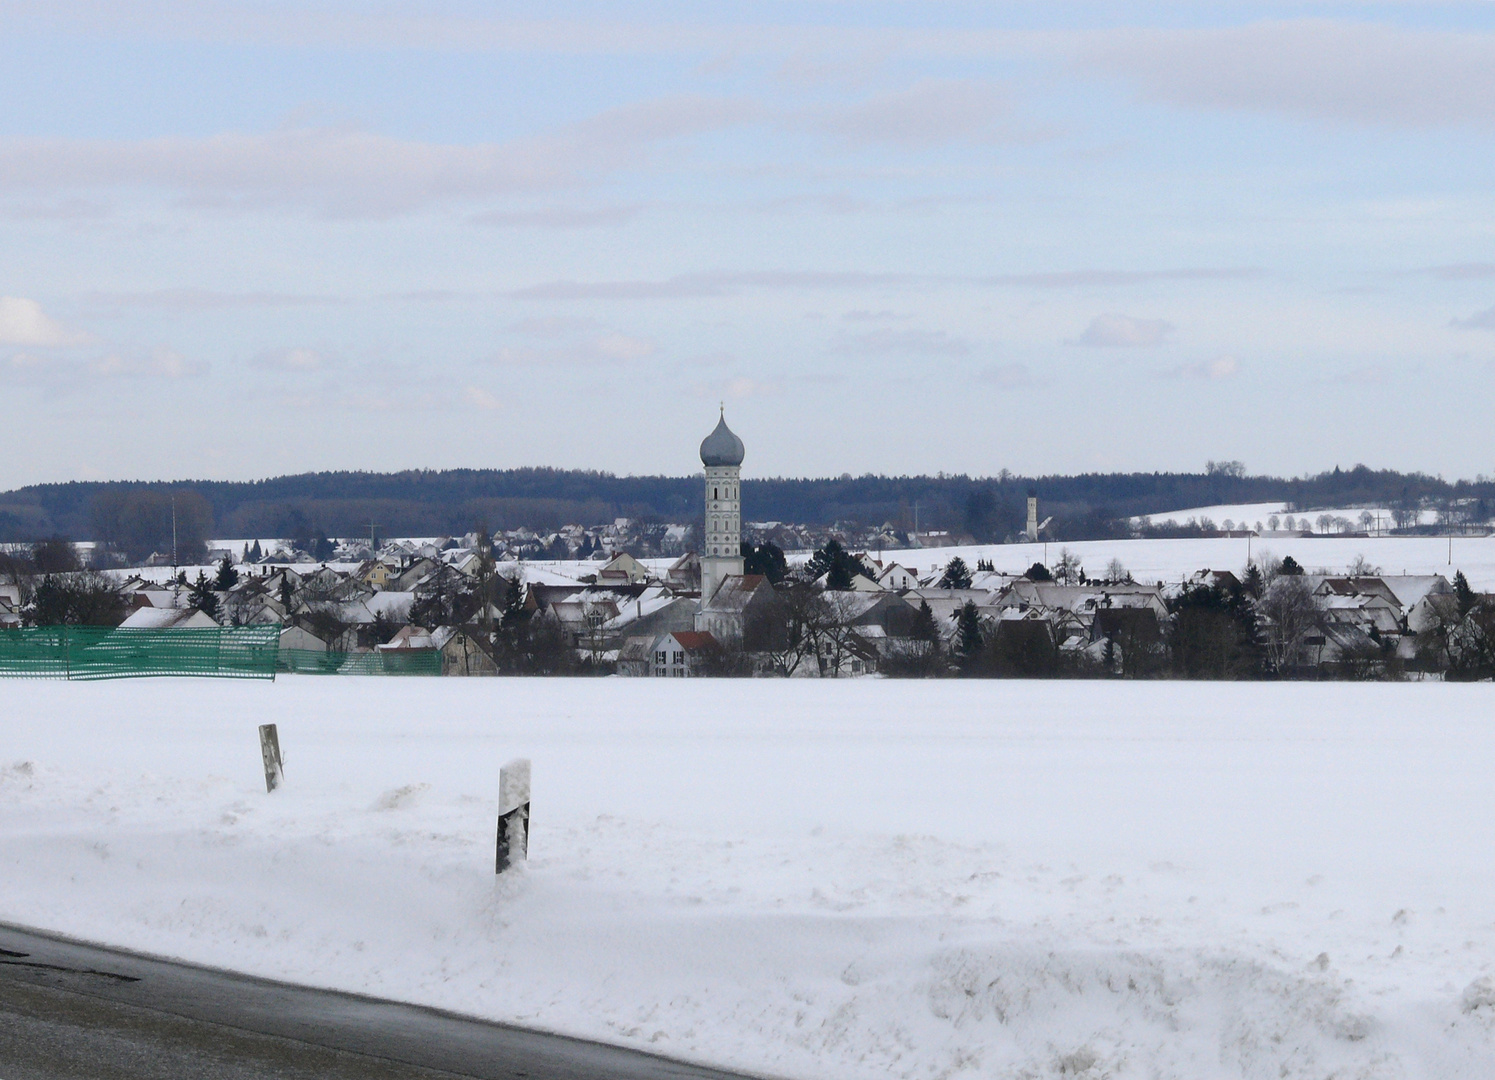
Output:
(152, 618)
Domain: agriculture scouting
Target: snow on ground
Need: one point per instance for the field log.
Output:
(1247, 513)
(809, 879)
(1172, 560)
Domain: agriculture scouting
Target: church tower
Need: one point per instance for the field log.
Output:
(721, 547)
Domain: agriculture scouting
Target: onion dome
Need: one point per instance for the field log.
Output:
(721, 446)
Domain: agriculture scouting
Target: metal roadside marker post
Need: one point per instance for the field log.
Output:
(270, 751)
(513, 815)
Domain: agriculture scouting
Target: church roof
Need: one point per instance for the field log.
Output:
(722, 447)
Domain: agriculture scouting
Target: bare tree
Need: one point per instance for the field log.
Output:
(1290, 613)
(1067, 569)
(786, 631)
(834, 632)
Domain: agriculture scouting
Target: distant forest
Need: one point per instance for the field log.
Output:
(451, 502)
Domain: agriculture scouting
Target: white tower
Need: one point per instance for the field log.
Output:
(721, 547)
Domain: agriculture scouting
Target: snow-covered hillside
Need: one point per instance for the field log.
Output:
(1172, 560)
(810, 879)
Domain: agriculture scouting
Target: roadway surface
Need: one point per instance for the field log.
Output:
(79, 1012)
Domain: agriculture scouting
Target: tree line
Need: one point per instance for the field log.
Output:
(135, 517)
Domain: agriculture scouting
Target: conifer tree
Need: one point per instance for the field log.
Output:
(1463, 593)
(967, 634)
(924, 626)
(203, 597)
(957, 575)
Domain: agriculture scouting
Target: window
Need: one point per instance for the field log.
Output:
(661, 658)
(680, 658)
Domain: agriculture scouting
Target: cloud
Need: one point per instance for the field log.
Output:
(740, 388)
(23, 322)
(930, 113)
(713, 283)
(863, 315)
(1366, 375)
(1321, 69)
(1123, 332)
(293, 360)
(894, 342)
(705, 284)
(551, 325)
(1007, 376)
(160, 363)
(1480, 320)
(558, 217)
(1216, 370)
(1075, 279)
(206, 300)
(718, 47)
(359, 173)
(72, 209)
(605, 348)
(482, 399)
(1461, 271)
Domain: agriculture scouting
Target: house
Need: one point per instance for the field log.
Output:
(636, 657)
(683, 653)
(654, 612)
(375, 574)
(152, 618)
(1409, 589)
(409, 637)
(463, 651)
(684, 574)
(845, 655)
(623, 569)
(736, 602)
(471, 563)
(300, 639)
(414, 574)
(898, 578)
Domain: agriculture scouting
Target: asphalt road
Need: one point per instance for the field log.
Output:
(78, 1012)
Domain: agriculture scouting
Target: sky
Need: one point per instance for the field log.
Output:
(247, 239)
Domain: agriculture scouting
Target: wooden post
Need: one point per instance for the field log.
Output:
(270, 751)
(513, 814)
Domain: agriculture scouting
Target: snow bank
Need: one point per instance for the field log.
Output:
(839, 879)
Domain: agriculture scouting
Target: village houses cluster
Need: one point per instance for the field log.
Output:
(839, 614)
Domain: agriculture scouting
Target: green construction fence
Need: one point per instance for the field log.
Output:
(377, 662)
(107, 652)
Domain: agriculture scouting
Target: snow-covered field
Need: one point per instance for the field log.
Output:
(1172, 560)
(809, 879)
